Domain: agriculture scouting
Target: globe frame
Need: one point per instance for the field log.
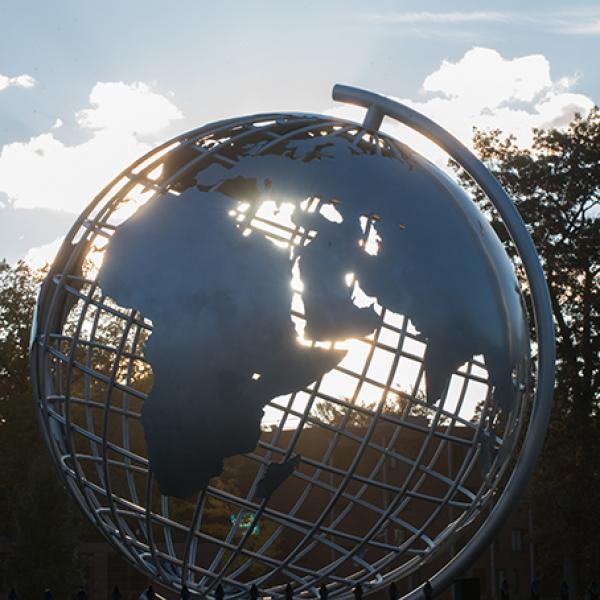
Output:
(377, 108)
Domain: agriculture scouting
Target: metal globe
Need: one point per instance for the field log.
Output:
(286, 349)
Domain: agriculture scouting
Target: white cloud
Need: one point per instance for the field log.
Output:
(23, 81)
(574, 21)
(485, 90)
(40, 256)
(133, 108)
(439, 17)
(44, 172)
(483, 78)
(589, 27)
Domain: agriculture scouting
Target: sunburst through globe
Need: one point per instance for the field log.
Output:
(287, 349)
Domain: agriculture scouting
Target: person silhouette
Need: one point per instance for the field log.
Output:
(358, 592)
(427, 590)
(535, 588)
(323, 592)
(148, 594)
(564, 590)
(505, 590)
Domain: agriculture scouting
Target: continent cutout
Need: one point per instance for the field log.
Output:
(218, 292)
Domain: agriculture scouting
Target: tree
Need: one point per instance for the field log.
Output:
(45, 535)
(38, 518)
(556, 188)
(19, 435)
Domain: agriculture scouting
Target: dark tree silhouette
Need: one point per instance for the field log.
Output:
(556, 187)
(39, 519)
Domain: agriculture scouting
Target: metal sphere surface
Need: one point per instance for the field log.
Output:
(282, 349)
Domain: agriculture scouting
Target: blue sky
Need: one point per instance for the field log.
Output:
(86, 86)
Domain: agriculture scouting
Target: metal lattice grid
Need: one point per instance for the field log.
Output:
(92, 432)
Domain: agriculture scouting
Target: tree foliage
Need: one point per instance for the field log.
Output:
(18, 434)
(556, 188)
(38, 518)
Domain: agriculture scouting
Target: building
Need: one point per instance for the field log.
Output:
(510, 557)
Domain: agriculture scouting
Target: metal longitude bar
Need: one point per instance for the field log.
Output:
(120, 524)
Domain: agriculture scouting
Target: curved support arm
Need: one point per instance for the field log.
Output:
(378, 107)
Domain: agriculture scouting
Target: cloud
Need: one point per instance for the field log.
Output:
(127, 109)
(483, 78)
(40, 256)
(438, 17)
(576, 21)
(588, 27)
(488, 91)
(22, 229)
(44, 172)
(22, 81)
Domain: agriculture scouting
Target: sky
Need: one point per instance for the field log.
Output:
(87, 87)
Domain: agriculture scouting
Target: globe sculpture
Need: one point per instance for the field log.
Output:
(287, 349)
